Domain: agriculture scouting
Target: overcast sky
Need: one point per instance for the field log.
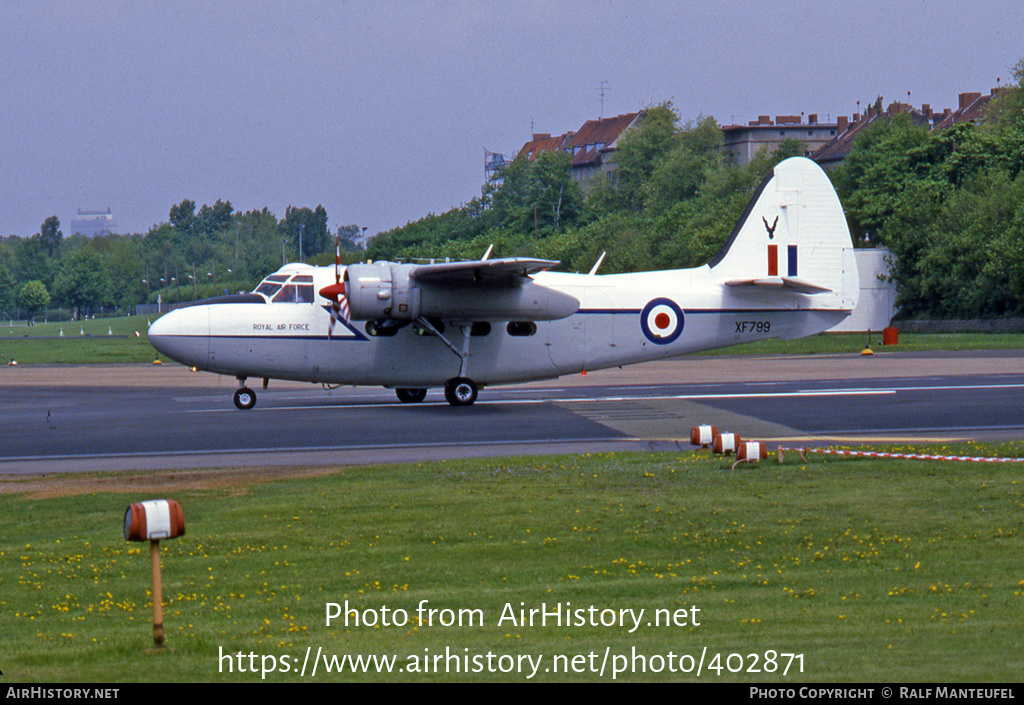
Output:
(381, 111)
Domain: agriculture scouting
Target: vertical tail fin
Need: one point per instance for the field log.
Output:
(794, 237)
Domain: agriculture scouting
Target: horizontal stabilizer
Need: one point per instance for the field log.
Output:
(793, 284)
(503, 270)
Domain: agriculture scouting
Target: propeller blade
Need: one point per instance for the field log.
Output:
(336, 291)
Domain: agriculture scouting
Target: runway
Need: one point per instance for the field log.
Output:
(61, 419)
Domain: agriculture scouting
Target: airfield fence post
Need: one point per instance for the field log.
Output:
(158, 595)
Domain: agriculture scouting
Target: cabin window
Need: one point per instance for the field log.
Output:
(521, 328)
(480, 328)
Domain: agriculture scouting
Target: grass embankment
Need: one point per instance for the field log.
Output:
(102, 340)
(872, 570)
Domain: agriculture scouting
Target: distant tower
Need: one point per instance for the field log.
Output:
(493, 163)
(92, 223)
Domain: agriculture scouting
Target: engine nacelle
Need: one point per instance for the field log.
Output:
(386, 290)
(381, 290)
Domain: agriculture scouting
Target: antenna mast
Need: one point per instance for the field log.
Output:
(601, 91)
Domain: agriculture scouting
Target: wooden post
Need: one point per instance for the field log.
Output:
(158, 596)
(151, 521)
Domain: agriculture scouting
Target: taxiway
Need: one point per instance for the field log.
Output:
(139, 417)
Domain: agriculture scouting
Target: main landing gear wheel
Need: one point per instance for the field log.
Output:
(411, 395)
(460, 391)
(245, 398)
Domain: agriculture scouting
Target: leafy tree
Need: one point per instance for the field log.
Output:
(32, 261)
(7, 286)
(641, 151)
(1007, 108)
(214, 219)
(33, 297)
(125, 265)
(82, 280)
(350, 238)
(884, 161)
(50, 235)
(256, 251)
(683, 170)
(182, 217)
(537, 196)
(308, 226)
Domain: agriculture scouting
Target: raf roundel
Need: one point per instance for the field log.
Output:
(661, 321)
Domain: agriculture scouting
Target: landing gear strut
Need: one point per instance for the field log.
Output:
(461, 390)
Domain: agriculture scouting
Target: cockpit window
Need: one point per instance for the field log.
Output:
(269, 286)
(294, 294)
(297, 290)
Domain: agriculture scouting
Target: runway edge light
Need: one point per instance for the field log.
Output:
(151, 521)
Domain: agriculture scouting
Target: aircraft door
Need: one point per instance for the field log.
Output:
(567, 346)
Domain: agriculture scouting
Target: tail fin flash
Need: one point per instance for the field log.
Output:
(793, 237)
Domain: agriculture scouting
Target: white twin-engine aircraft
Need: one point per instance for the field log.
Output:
(787, 271)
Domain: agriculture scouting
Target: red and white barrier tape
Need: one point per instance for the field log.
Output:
(910, 456)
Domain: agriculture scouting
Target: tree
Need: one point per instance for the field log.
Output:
(82, 280)
(682, 172)
(33, 297)
(214, 219)
(51, 236)
(350, 238)
(183, 217)
(126, 269)
(7, 286)
(32, 261)
(536, 195)
(308, 226)
(885, 159)
(641, 151)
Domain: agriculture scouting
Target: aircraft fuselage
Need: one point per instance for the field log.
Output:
(654, 317)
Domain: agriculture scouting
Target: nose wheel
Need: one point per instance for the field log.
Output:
(460, 391)
(245, 398)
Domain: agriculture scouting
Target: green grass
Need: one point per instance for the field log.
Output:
(43, 344)
(873, 570)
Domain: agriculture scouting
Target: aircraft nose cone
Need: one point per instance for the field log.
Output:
(182, 336)
(160, 333)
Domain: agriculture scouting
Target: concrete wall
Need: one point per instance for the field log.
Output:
(877, 303)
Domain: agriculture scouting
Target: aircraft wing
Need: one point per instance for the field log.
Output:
(800, 286)
(507, 271)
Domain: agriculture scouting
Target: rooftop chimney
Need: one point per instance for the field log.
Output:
(967, 98)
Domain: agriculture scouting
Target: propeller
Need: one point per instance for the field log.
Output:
(336, 291)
